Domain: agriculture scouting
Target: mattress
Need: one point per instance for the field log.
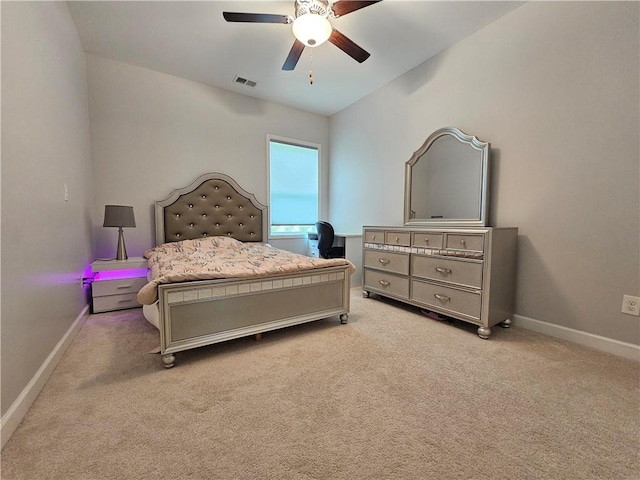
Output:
(222, 257)
(152, 314)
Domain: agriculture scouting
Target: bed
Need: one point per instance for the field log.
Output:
(194, 309)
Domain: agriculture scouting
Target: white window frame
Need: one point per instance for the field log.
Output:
(297, 143)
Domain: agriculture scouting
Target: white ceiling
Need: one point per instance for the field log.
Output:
(193, 41)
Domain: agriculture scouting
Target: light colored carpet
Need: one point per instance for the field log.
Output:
(391, 395)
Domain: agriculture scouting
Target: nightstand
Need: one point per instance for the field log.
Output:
(116, 283)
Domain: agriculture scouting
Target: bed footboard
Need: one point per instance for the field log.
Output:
(194, 314)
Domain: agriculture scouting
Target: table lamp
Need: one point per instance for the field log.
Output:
(119, 216)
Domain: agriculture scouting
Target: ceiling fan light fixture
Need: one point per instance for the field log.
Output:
(312, 29)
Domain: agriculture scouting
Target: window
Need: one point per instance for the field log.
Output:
(293, 186)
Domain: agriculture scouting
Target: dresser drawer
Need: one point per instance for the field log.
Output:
(374, 236)
(114, 302)
(447, 299)
(100, 288)
(398, 238)
(384, 282)
(391, 262)
(459, 272)
(427, 240)
(471, 242)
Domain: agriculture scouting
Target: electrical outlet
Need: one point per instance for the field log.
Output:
(631, 305)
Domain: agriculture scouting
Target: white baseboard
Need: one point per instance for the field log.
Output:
(12, 418)
(615, 347)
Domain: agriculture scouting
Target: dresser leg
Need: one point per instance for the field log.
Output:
(484, 332)
(365, 294)
(506, 323)
(169, 360)
(344, 318)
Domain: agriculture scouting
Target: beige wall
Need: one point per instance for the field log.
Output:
(554, 87)
(152, 132)
(45, 144)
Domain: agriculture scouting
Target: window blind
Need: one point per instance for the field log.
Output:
(294, 184)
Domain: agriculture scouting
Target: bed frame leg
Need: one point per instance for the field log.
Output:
(169, 360)
(344, 318)
(258, 336)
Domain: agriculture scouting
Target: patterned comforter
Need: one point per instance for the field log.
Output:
(221, 257)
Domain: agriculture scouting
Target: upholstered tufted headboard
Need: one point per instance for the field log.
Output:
(212, 205)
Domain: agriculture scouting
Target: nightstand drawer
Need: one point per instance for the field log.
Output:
(114, 302)
(101, 288)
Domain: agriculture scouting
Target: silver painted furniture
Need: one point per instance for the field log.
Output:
(466, 274)
(197, 313)
(116, 283)
(446, 258)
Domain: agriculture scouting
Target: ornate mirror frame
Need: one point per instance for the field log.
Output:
(480, 152)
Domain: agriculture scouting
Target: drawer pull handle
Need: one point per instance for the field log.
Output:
(397, 239)
(442, 298)
(384, 283)
(446, 271)
(373, 237)
(384, 261)
(462, 242)
(124, 286)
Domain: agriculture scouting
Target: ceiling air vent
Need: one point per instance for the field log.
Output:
(244, 81)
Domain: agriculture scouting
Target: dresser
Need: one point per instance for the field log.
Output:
(116, 283)
(463, 273)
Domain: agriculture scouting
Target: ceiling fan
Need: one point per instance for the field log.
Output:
(311, 26)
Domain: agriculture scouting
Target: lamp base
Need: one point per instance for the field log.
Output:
(121, 253)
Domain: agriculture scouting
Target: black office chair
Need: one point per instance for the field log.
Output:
(325, 241)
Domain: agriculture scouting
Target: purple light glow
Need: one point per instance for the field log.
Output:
(120, 274)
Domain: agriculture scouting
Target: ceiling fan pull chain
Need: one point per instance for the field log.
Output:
(311, 68)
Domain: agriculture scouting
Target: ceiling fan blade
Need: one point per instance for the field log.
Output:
(342, 7)
(348, 46)
(294, 55)
(255, 17)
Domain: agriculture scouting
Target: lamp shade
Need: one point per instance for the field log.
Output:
(312, 29)
(118, 216)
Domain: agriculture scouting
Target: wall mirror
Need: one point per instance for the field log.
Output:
(447, 181)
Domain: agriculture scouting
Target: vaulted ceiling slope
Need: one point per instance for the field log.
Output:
(193, 41)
